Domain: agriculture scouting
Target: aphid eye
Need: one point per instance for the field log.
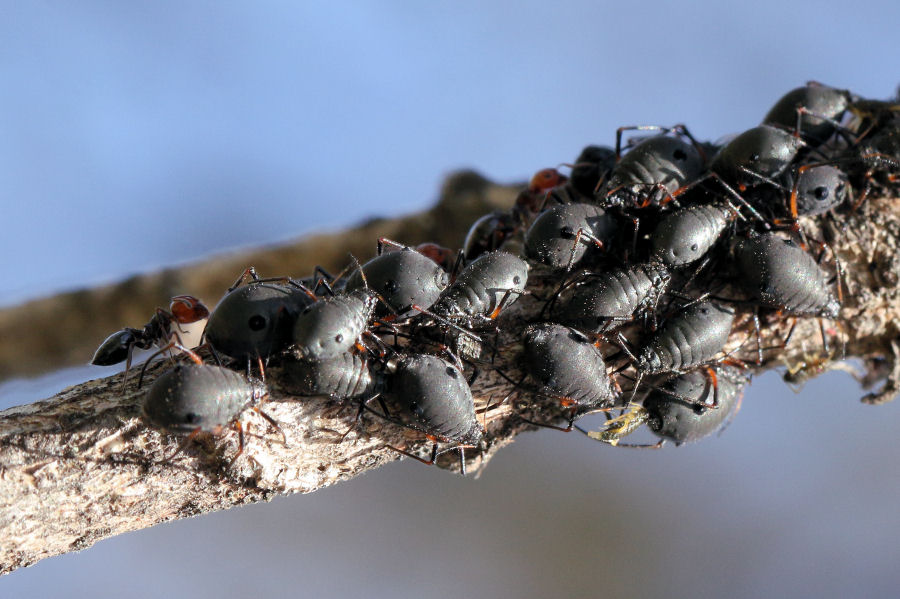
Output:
(694, 247)
(754, 157)
(679, 154)
(391, 286)
(516, 280)
(338, 338)
(821, 193)
(451, 372)
(190, 418)
(257, 322)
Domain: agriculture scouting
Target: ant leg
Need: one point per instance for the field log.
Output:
(128, 367)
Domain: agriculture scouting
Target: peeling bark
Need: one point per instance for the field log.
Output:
(82, 466)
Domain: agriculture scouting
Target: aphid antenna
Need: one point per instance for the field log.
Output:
(384, 242)
(249, 273)
(730, 191)
(660, 128)
(446, 322)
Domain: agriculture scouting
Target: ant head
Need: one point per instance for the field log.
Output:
(187, 309)
(546, 179)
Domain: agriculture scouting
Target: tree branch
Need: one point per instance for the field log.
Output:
(65, 329)
(82, 466)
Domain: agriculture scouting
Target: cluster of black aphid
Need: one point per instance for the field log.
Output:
(651, 248)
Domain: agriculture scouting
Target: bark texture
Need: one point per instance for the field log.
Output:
(82, 466)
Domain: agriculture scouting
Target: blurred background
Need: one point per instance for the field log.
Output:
(137, 136)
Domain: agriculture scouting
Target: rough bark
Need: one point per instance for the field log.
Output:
(82, 466)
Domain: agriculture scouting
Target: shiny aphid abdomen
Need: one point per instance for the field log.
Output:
(488, 234)
(779, 274)
(195, 396)
(591, 166)
(482, 285)
(435, 393)
(816, 98)
(255, 320)
(615, 295)
(333, 325)
(567, 366)
(758, 153)
(689, 338)
(347, 376)
(685, 235)
(657, 163)
(675, 419)
(551, 239)
(402, 278)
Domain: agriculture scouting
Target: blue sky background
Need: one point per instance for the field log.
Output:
(139, 135)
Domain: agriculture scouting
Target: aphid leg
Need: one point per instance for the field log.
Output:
(457, 265)
(240, 429)
(567, 429)
(848, 135)
(758, 331)
(496, 312)
(713, 380)
(249, 273)
(551, 303)
(183, 445)
(428, 462)
(683, 130)
(578, 235)
(272, 423)
(622, 344)
(215, 355)
(790, 334)
(462, 460)
(734, 194)
(824, 335)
